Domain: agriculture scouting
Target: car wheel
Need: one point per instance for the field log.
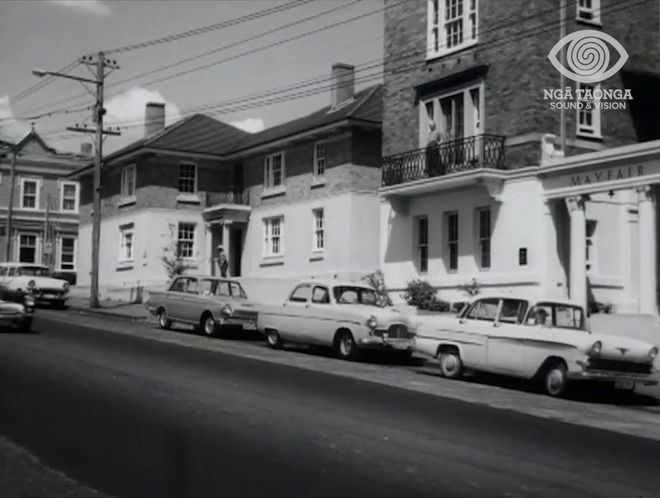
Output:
(346, 347)
(451, 364)
(273, 339)
(208, 325)
(163, 321)
(555, 379)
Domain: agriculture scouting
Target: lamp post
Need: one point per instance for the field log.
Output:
(101, 63)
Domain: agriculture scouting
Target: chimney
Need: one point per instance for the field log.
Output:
(154, 118)
(86, 149)
(343, 83)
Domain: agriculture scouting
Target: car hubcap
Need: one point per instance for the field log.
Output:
(450, 363)
(272, 338)
(163, 320)
(346, 345)
(209, 325)
(555, 381)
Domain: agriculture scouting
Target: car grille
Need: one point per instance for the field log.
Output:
(620, 366)
(244, 315)
(395, 331)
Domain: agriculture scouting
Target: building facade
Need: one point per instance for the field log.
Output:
(45, 204)
(474, 186)
(294, 200)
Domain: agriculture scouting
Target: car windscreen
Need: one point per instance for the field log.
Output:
(356, 295)
(32, 271)
(237, 290)
(557, 315)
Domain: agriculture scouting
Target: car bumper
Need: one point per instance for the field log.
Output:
(16, 317)
(375, 342)
(240, 323)
(610, 376)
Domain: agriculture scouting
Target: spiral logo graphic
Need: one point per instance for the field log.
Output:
(588, 56)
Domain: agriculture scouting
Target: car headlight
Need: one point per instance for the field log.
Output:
(595, 349)
(226, 310)
(28, 301)
(31, 285)
(372, 323)
(653, 353)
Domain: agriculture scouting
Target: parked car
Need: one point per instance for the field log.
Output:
(19, 279)
(347, 316)
(210, 304)
(17, 313)
(543, 339)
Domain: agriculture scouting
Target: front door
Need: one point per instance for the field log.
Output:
(235, 251)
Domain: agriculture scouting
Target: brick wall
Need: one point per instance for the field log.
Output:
(516, 71)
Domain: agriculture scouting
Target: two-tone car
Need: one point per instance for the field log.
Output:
(346, 316)
(210, 304)
(17, 314)
(19, 279)
(533, 338)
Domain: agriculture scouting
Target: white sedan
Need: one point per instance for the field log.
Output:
(20, 279)
(347, 316)
(543, 339)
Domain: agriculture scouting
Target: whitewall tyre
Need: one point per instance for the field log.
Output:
(346, 347)
(555, 380)
(163, 321)
(451, 364)
(273, 339)
(209, 326)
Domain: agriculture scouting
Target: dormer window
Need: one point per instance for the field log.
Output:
(452, 26)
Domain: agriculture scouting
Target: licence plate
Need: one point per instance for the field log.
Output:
(624, 384)
(249, 326)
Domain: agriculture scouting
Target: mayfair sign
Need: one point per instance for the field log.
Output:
(606, 175)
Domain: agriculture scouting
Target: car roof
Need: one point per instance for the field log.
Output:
(16, 263)
(210, 277)
(331, 282)
(530, 299)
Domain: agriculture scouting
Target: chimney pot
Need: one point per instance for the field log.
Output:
(154, 118)
(343, 83)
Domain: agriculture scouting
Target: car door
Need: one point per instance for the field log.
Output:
(190, 301)
(295, 317)
(476, 325)
(321, 317)
(510, 340)
(174, 296)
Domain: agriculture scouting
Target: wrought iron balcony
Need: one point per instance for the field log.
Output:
(452, 156)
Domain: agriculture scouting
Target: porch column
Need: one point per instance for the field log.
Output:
(209, 249)
(226, 244)
(647, 250)
(578, 277)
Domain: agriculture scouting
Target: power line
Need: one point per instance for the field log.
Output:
(42, 83)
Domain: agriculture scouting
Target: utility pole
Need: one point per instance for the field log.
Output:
(46, 249)
(562, 78)
(10, 209)
(101, 64)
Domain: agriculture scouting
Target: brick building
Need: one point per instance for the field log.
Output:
(44, 218)
(294, 200)
(493, 198)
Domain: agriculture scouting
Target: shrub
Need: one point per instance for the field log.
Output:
(377, 281)
(421, 294)
(471, 289)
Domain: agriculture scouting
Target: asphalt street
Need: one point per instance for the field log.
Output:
(135, 417)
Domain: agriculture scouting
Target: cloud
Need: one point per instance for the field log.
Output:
(251, 125)
(95, 7)
(10, 128)
(126, 110)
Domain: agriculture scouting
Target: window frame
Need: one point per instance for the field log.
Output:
(37, 193)
(191, 240)
(481, 240)
(269, 172)
(327, 293)
(123, 191)
(37, 252)
(449, 242)
(437, 24)
(318, 231)
(76, 197)
(300, 300)
(319, 160)
(422, 247)
(124, 232)
(60, 251)
(195, 177)
(268, 237)
(593, 11)
(594, 130)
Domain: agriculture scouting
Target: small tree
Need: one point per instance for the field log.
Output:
(376, 280)
(471, 289)
(421, 294)
(170, 258)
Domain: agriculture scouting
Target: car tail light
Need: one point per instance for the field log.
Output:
(596, 347)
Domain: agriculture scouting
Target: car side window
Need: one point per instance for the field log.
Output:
(321, 295)
(3, 271)
(301, 294)
(206, 287)
(472, 311)
(512, 311)
(11, 272)
(222, 289)
(179, 285)
(193, 286)
(487, 310)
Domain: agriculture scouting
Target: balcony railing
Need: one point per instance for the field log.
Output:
(239, 198)
(464, 154)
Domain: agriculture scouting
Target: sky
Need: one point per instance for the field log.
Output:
(49, 34)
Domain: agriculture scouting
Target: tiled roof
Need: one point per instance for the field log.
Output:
(365, 106)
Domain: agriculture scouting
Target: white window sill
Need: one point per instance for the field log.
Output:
(188, 198)
(430, 55)
(273, 191)
(586, 134)
(125, 265)
(126, 201)
(317, 255)
(589, 22)
(33, 209)
(69, 211)
(318, 181)
(272, 260)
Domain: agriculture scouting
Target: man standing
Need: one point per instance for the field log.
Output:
(433, 161)
(222, 262)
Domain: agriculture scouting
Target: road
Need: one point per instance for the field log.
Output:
(134, 417)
